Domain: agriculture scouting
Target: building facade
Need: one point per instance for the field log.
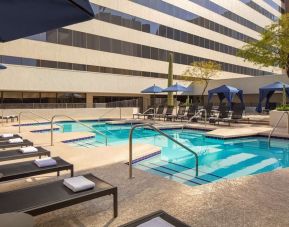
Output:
(125, 48)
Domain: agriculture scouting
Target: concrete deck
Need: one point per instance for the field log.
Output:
(259, 200)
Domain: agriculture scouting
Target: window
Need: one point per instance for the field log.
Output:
(79, 39)
(65, 36)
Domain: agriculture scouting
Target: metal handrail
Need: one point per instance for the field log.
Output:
(110, 110)
(23, 112)
(276, 125)
(79, 122)
(164, 134)
(196, 114)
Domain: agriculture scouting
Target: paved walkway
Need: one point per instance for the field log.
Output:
(259, 200)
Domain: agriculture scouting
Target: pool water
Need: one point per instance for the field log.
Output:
(218, 159)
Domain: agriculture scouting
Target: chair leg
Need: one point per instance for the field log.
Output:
(115, 204)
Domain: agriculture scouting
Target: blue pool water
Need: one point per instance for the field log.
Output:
(218, 159)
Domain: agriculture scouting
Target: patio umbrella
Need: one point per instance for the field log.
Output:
(177, 88)
(3, 66)
(153, 90)
(22, 18)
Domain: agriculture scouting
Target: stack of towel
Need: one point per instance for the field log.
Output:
(16, 140)
(78, 184)
(45, 162)
(7, 135)
(28, 149)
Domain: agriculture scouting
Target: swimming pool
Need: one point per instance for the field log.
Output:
(218, 159)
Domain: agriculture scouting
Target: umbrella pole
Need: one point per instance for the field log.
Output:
(154, 106)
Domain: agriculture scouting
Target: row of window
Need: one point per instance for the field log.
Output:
(41, 97)
(274, 5)
(125, 20)
(208, 4)
(182, 14)
(95, 42)
(80, 67)
(260, 9)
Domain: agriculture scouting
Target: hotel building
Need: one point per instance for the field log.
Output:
(125, 49)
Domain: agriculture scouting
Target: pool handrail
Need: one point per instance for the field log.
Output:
(276, 125)
(196, 114)
(163, 134)
(79, 122)
(33, 119)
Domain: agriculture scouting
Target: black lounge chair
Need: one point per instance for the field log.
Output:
(181, 113)
(43, 198)
(17, 154)
(148, 111)
(29, 168)
(169, 111)
(158, 214)
(7, 138)
(190, 113)
(6, 144)
(158, 114)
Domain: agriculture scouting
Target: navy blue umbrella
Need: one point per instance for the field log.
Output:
(3, 66)
(153, 90)
(22, 18)
(177, 88)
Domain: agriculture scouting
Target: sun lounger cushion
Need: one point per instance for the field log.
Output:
(16, 140)
(45, 162)
(29, 149)
(156, 222)
(7, 135)
(77, 184)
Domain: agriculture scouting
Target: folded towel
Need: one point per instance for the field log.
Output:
(77, 184)
(16, 140)
(156, 222)
(7, 135)
(45, 162)
(29, 149)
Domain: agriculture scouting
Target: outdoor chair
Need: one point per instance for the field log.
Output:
(159, 113)
(7, 155)
(19, 170)
(6, 144)
(169, 111)
(12, 137)
(190, 113)
(46, 197)
(148, 111)
(181, 112)
(271, 106)
(158, 218)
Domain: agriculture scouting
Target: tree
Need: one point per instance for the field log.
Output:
(202, 72)
(170, 79)
(273, 47)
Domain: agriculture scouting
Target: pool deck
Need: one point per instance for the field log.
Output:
(259, 200)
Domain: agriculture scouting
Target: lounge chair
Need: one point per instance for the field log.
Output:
(43, 198)
(29, 168)
(17, 154)
(11, 117)
(169, 111)
(12, 137)
(181, 113)
(148, 111)
(6, 144)
(190, 113)
(158, 114)
(158, 218)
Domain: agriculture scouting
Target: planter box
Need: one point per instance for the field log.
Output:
(275, 116)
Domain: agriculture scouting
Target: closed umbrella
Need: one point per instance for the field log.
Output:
(177, 88)
(153, 90)
(22, 18)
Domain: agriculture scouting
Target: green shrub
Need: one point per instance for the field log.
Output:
(283, 108)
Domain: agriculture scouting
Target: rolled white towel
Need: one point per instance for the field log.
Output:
(45, 162)
(7, 135)
(77, 184)
(29, 149)
(16, 140)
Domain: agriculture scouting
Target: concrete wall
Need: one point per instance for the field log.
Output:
(87, 113)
